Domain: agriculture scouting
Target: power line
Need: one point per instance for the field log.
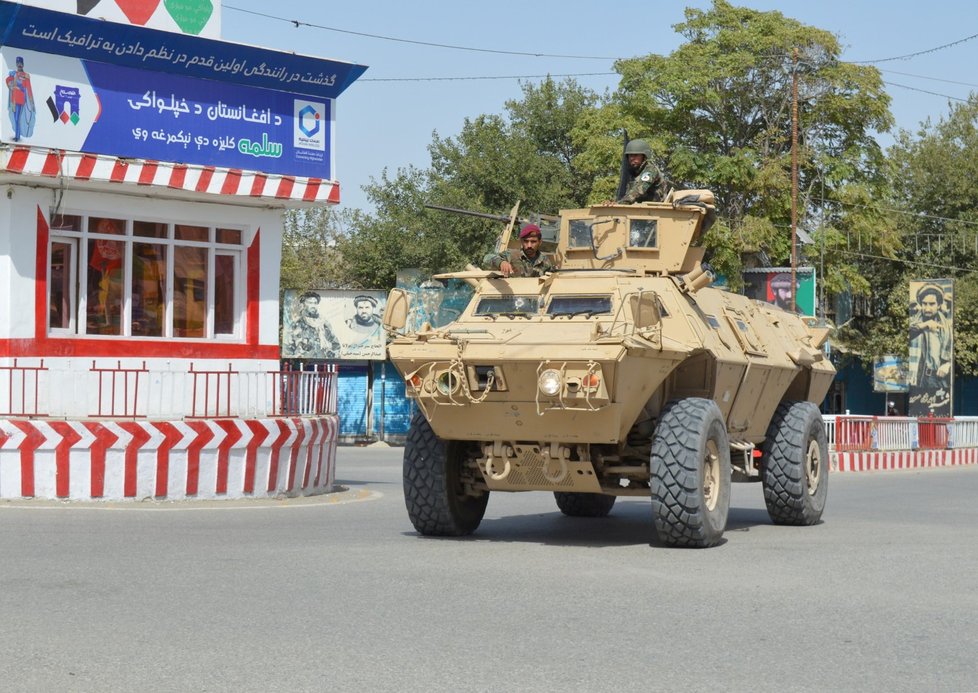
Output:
(924, 91)
(918, 53)
(924, 263)
(448, 79)
(933, 79)
(298, 23)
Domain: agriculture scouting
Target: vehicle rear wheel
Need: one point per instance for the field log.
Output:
(584, 504)
(434, 492)
(690, 474)
(795, 459)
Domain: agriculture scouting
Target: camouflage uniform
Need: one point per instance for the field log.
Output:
(645, 186)
(522, 265)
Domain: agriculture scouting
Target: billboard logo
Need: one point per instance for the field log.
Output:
(65, 105)
(310, 130)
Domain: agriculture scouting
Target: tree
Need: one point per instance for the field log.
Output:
(527, 155)
(717, 112)
(309, 256)
(932, 175)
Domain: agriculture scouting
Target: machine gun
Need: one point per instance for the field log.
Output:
(548, 223)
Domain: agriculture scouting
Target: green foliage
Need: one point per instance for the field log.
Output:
(529, 156)
(932, 175)
(717, 112)
(310, 259)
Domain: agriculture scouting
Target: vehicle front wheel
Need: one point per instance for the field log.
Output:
(690, 473)
(795, 465)
(439, 501)
(584, 504)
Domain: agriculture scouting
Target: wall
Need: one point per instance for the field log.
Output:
(19, 207)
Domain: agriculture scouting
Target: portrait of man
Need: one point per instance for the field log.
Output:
(365, 320)
(781, 291)
(931, 348)
(308, 334)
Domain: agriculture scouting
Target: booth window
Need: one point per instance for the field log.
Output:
(135, 278)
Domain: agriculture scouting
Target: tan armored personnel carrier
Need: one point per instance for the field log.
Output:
(623, 373)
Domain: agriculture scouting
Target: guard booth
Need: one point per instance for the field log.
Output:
(143, 177)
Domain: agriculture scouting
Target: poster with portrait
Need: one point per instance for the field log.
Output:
(931, 347)
(319, 324)
(433, 301)
(773, 285)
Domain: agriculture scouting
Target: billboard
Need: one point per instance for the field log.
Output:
(333, 325)
(197, 17)
(773, 285)
(77, 105)
(931, 347)
(890, 374)
(149, 50)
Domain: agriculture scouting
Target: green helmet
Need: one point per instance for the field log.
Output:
(638, 147)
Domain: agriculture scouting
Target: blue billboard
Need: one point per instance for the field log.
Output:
(76, 84)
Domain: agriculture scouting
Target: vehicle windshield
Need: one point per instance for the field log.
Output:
(579, 305)
(508, 305)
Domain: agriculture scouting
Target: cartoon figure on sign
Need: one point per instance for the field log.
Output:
(20, 101)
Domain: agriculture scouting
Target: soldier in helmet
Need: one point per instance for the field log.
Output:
(645, 183)
(530, 262)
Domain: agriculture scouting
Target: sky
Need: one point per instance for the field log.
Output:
(411, 90)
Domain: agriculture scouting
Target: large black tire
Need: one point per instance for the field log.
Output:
(795, 465)
(690, 474)
(436, 502)
(584, 504)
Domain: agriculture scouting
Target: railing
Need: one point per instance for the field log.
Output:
(118, 390)
(854, 432)
(115, 390)
(963, 432)
(20, 388)
(847, 433)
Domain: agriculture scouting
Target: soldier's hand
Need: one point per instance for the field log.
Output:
(506, 267)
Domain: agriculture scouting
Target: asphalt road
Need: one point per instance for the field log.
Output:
(339, 593)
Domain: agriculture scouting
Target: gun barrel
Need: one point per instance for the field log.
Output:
(470, 213)
(546, 218)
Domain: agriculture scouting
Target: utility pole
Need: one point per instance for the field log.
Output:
(794, 179)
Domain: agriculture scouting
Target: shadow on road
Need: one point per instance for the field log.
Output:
(629, 524)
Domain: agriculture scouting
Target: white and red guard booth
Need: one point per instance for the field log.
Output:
(143, 176)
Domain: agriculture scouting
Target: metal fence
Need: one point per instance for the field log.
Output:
(114, 390)
(848, 433)
(20, 388)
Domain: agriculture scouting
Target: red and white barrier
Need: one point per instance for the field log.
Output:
(876, 460)
(171, 460)
(215, 180)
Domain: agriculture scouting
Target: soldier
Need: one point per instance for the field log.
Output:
(645, 182)
(529, 263)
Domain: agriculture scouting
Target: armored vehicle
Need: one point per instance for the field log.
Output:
(622, 373)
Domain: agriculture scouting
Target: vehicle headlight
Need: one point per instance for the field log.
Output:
(549, 382)
(447, 382)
